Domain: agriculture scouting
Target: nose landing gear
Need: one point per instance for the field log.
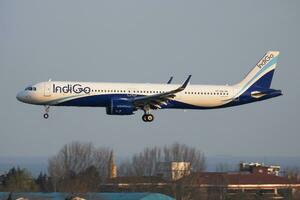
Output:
(46, 115)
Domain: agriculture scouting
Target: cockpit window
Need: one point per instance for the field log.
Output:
(30, 88)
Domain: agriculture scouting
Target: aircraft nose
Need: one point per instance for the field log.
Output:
(21, 96)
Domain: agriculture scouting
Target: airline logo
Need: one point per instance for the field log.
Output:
(77, 89)
(264, 61)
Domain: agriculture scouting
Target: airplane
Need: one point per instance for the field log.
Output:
(127, 98)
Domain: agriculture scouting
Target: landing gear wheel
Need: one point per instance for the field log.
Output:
(148, 118)
(46, 116)
(144, 117)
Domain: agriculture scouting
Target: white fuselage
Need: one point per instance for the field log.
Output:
(55, 93)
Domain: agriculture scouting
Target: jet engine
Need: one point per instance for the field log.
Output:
(120, 107)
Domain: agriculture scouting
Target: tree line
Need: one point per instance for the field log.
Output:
(81, 167)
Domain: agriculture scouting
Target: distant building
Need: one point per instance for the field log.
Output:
(173, 171)
(123, 182)
(260, 168)
(176, 179)
(236, 183)
(138, 184)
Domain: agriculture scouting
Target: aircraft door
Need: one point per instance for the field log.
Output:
(47, 89)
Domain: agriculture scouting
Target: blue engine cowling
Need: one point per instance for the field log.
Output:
(120, 107)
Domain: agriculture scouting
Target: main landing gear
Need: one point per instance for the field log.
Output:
(46, 115)
(147, 117)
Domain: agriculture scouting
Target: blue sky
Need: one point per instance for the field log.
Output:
(217, 42)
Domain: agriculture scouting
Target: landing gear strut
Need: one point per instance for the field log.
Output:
(147, 117)
(46, 115)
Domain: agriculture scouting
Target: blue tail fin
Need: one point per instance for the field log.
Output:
(265, 81)
(261, 75)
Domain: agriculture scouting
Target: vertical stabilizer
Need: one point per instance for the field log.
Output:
(261, 75)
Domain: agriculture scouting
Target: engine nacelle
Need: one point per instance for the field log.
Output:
(120, 107)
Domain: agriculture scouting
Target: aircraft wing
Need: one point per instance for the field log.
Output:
(155, 101)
